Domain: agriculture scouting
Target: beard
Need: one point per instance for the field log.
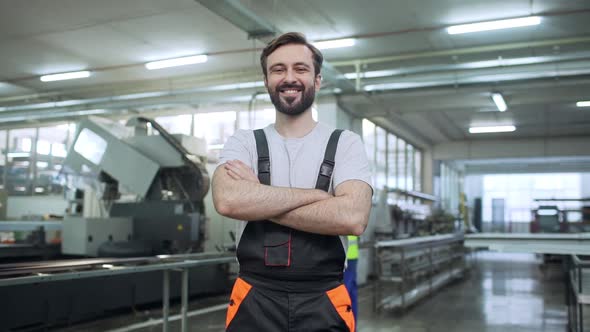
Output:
(288, 105)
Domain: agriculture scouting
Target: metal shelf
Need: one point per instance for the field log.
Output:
(422, 289)
(417, 267)
(413, 194)
(578, 295)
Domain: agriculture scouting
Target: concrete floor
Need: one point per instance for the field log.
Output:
(503, 292)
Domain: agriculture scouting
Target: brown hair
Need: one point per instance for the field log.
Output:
(292, 38)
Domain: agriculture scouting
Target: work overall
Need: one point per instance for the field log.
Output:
(289, 280)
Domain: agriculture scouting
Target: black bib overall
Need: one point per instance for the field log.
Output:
(295, 277)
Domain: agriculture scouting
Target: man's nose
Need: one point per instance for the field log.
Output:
(290, 76)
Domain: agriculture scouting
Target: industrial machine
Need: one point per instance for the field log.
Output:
(548, 219)
(561, 215)
(143, 191)
(151, 190)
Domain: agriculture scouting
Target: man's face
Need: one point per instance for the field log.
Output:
(291, 80)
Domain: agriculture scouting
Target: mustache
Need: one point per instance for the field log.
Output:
(286, 86)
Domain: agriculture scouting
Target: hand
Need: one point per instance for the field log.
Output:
(237, 170)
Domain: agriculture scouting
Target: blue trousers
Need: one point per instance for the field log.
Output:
(350, 283)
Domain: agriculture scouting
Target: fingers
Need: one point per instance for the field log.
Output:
(233, 174)
(239, 165)
(240, 171)
(232, 171)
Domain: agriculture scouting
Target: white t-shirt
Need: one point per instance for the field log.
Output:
(295, 162)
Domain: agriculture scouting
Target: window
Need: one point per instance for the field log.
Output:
(401, 164)
(256, 119)
(176, 124)
(409, 167)
(369, 142)
(91, 146)
(392, 161)
(450, 188)
(380, 158)
(519, 192)
(3, 151)
(19, 160)
(215, 128)
(52, 144)
(417, 170)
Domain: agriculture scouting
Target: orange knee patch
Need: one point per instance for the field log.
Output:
(238, 294)
(341, 301)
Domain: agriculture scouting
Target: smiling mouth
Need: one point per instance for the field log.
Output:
(290, 91)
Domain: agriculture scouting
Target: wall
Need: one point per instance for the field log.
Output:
(473, 188)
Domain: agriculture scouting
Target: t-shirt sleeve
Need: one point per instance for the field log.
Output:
(351, 160)
(238, 146)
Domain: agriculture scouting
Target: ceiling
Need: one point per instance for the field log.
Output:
(431, 84)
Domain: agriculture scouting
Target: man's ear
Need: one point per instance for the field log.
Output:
(318, 81)
(265, 83)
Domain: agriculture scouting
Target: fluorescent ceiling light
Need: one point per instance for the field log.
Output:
(234, 86)
(491, 129)
(373, 74)
(336, 43)
(18, 154)
(585, 103)
(494, 25)
(499, 101)
(187, 60)
(65, 76)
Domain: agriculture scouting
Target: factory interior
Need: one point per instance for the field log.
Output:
(474, 115)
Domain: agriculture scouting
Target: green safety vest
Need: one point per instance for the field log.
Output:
(353, 247)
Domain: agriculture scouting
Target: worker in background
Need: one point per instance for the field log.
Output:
(300, 187)
(352, 256)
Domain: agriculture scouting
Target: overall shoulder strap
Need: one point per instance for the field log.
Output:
(327, 167)
(263, 157)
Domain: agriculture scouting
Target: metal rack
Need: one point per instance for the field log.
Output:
(65, 270)
(416, 267)
(578, 294)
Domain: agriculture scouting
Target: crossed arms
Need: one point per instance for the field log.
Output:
(238, 194)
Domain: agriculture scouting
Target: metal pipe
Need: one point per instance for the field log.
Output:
(166, 301)
(184, 300)
(462, 51)
(478, 76)
(421, 78)
(79, 272)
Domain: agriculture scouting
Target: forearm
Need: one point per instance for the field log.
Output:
(245, 200)
(347, 213)
(334, 216)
